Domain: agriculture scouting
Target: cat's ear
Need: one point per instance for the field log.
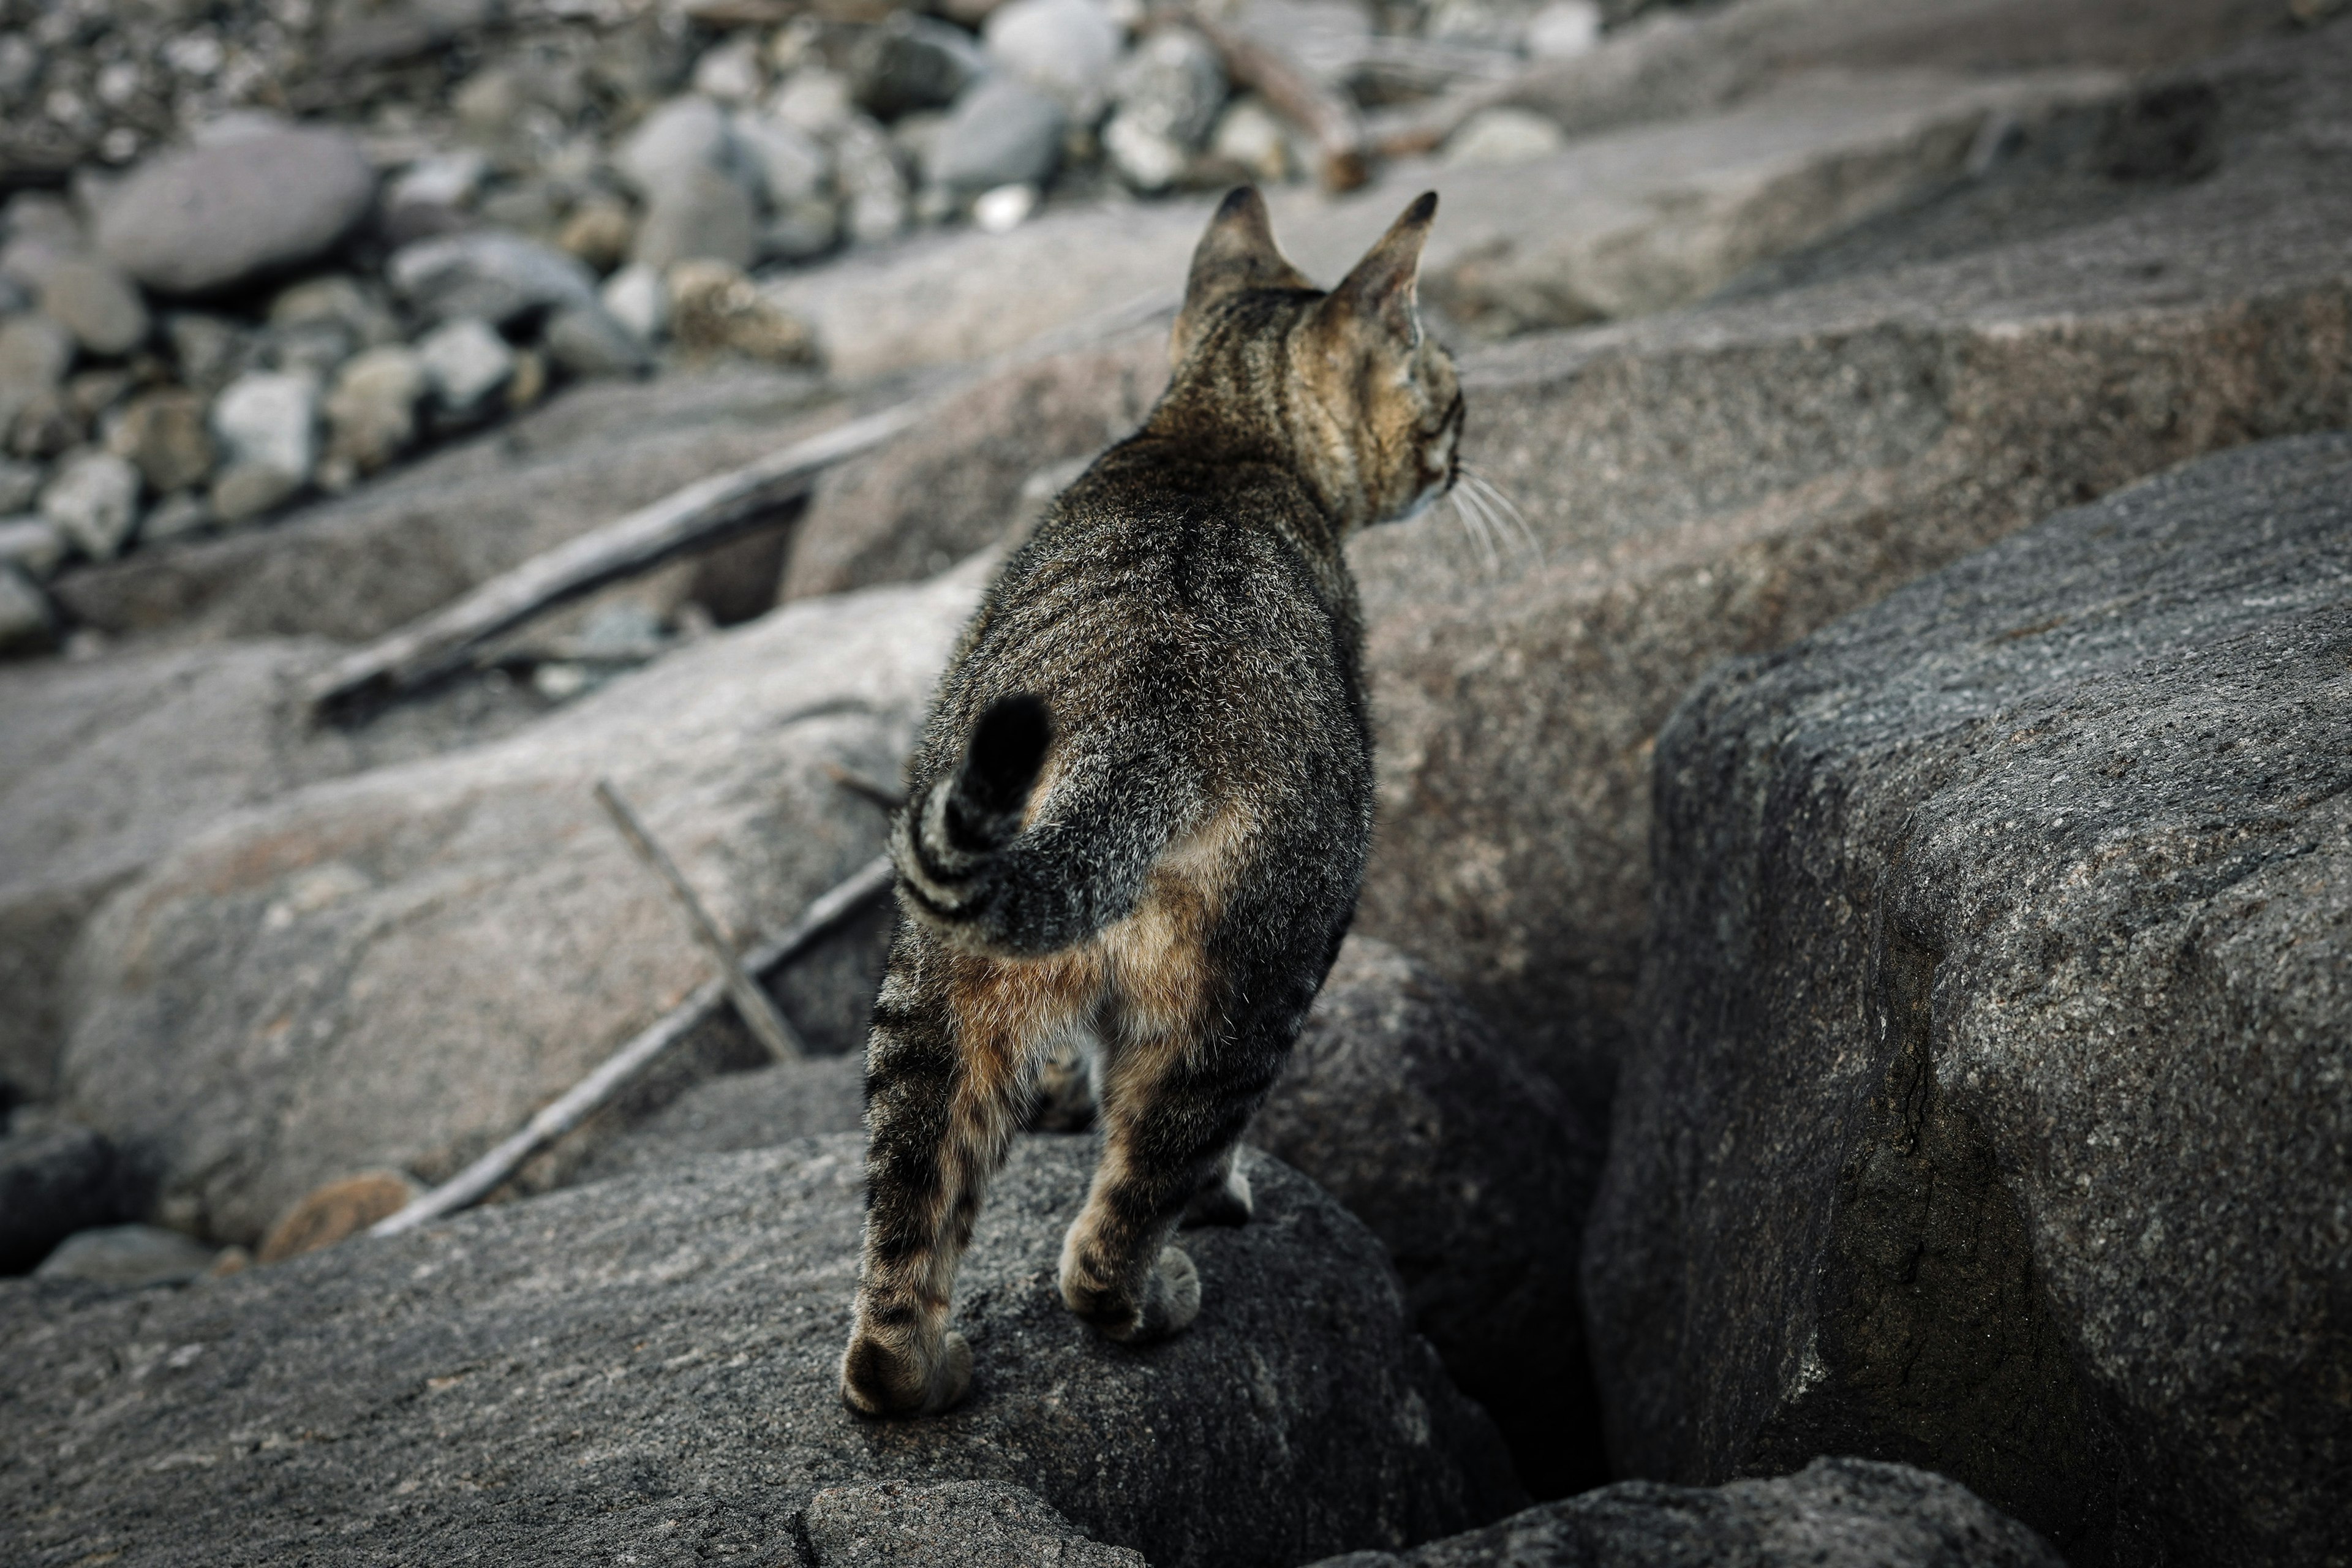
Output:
(1378, 296)
(1236, 253)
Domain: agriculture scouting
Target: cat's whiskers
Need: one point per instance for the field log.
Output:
(1507, 512)
(1476, 528)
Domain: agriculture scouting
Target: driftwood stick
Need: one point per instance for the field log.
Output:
(757, 1008)
(704, 511)
(1330, 119)
(576, 1104)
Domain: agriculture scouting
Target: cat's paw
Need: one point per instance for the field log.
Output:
(1171, 1300)
(878, 1379)
(1224, 1200)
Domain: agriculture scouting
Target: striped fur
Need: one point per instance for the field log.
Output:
(1138, 813)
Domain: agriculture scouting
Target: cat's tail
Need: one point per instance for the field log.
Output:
(950, 840)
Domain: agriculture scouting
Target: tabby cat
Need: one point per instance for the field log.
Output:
(1138, 815)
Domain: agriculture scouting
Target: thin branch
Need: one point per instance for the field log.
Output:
(560, 1116)
(701, 512)
(757, 1008)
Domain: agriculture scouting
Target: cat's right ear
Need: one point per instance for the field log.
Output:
(1235, 254)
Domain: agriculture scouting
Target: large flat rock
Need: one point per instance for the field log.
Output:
(355, 566)
(1994, 1111)
(1617, 224)
(647, 1370)
(397, 968)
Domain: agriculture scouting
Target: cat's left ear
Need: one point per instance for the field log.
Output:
(1379, 297)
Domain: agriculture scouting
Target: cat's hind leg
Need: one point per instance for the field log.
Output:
(949, 1065)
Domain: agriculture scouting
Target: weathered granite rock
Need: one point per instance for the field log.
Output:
(622, 1368)
(948, 488)
(55, 1179)
(394, 969)
(223, 212)
(1995, 1106)
(360, 565)
(1833, 1513)
(980, 1525)
(740, 1110)
(1475, 1172)
(112, 760)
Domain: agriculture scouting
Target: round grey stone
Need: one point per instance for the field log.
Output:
(270, 417)
(96, 303)
(464, 361)
(1001, 132)
(587, 341)
(700, 214)
(207, 217)
(94, 501)
(487, 274)
(685, 134)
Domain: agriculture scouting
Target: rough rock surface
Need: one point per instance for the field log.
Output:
(359, 565)
(977, 1524)
(1833, 1513)
(1475, 1171)
(214, 215)
(394, 969)
(740, 1110)
(636, 1366)
(110, 763)
(948, 487)
(1995, 1110)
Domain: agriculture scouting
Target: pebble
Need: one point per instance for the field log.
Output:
(685, 134)
(466, 361)
(96, 303)
(732, 72)
(801, 231)
(1004, 209)
(699, 213)
(1250, 134)
(269, 419)
(32, 544)
(206, 347)
(19, 483)
(912, 62)
(210, 216)
(1066, 48)
(163, 433)
(93, 501)
(787, 163)
(638, 298)
(1504, 136)
(1003, 132)
(175, 517)
(489, 275)
(26, 621)
(34, 353)
(1564, 29)
(587, 341)
(431, 195)
(128, 1255)
(873, 188)
(1171, 85)
(715, 308)
(598, 232)
(243, 492)
(372, 412)
(813, 100)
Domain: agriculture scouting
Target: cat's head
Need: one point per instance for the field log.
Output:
(1367, 402)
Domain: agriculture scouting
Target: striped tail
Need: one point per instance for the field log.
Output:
(948, 841)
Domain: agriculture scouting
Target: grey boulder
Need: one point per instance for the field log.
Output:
(622, 1368)
(1833, 1513)
(1001, 132)
(1994, 1105)
(973, 1525)
(207, 217)
(732, 1111)
(1475, 1171)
